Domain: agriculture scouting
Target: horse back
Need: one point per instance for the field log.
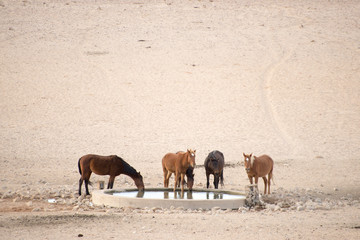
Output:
(217, 156)
(168, 161)
(263, 165)
(101, 165)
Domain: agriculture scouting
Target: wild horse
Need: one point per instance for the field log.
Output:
(106, 165)
(177, 163)
(256, 167)
(214, 164)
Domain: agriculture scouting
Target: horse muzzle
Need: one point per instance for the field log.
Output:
(247, 170)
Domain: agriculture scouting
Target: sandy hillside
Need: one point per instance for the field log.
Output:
(143, 78)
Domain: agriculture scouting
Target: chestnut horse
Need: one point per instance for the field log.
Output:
(106, 165)
(177, 163)
(214, 164)
(259, 167)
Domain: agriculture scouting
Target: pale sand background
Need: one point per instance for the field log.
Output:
(143, 78)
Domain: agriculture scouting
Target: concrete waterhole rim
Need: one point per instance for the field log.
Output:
(105, 197)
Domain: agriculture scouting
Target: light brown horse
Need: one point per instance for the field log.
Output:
(259, 167)
(106, 165)
(177, 163)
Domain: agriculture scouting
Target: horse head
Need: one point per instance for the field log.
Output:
(139, 182)
(248, 162)
(191, 157)
(190, 178)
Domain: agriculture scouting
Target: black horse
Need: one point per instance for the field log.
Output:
(214, 164)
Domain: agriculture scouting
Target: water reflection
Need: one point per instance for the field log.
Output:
(211, 195)
(170, 194)
(140, 194)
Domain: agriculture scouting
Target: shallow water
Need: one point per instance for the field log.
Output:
(196, 195)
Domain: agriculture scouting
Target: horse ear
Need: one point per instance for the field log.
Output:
(195, 151)
(244, 154)
(251, 154)
(188, 150)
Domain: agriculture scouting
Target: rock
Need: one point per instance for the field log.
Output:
(214, 209)
(155, 208)
(277, 208)
(270, 206)
(17, 199)
(109, 211)
(300, 208)
(180, 209)
(29, 204)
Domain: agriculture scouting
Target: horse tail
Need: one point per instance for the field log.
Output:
(272, 177)
(79, 166)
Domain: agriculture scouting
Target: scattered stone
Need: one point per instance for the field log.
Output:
(214, 209)
(252, 196)
(300, 208)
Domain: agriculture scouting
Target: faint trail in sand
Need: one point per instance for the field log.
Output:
(265, 96)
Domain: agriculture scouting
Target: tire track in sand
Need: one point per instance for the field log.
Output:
(265, 85)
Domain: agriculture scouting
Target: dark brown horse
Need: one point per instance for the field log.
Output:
(214, 164)
(106, 165)
(177, 163)
(259, 167)
(189, 177)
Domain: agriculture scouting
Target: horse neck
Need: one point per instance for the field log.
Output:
(184, 159)
(252, 160)
(128, 170)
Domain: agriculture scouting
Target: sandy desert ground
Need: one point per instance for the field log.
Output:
(143, 78)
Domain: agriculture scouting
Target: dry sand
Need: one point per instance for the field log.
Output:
(143, 78)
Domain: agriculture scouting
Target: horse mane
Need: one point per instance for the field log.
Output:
(213, 157)
(252, 160)
(127, 168)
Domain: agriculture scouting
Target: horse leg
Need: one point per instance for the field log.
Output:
(265, 183)
(216, 181)
(207, 180)
(80, 184)
(250, 179)
(256, 182)
(165, 177)
(86, 186)
(269, 179)
(111, 182)
(182, 182)
(168, 175)
(222, 178)
(176, 180)
(85, 177)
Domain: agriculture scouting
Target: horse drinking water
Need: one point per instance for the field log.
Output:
(259, 167)
(214, 164)
(106, 165)
(177, 163)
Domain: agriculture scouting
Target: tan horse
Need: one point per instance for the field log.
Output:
(177, 163)
(106, 165)
(259, 167)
